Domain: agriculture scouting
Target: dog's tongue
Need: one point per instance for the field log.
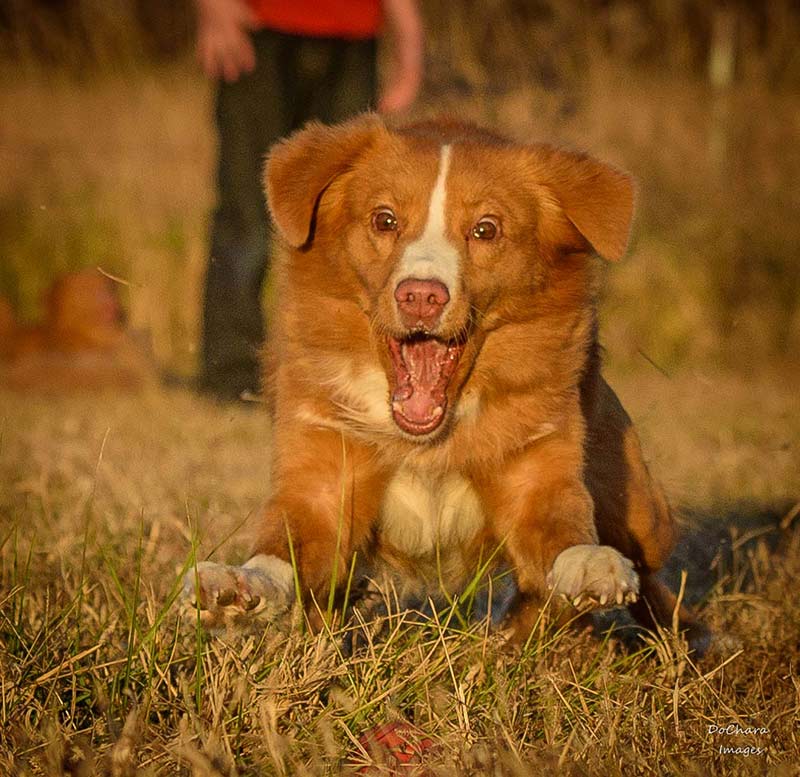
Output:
(423, 368)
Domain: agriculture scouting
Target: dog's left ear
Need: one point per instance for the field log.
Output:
(300, 168)
(596, 198)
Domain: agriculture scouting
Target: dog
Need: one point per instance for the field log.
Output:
(433, 378)
(81, 343)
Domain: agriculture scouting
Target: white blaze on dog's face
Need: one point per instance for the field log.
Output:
(433, 255)
(440, 233)
(427, 287)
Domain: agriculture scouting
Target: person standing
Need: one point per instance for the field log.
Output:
(279, 64)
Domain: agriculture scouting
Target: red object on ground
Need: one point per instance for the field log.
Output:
(348, 19)
(395, 744)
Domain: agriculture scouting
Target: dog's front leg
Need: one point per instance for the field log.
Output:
(543, 515)
(326, 494)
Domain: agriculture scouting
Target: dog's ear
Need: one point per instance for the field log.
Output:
(300, 168)
(596, 198)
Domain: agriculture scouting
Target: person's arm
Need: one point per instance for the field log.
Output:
(224, 47)
(405, 74)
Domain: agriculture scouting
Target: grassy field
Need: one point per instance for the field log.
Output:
(104, 497)
(105, 500)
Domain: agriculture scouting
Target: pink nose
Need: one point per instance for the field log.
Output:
(421, 301)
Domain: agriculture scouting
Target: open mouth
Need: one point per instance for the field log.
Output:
(423, 366)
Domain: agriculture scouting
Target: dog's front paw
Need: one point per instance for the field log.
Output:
(594, 575)
(226, 596)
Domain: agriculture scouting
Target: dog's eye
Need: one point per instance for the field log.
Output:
(486, 229)
(384, 220)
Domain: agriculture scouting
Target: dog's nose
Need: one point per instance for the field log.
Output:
(421, 302)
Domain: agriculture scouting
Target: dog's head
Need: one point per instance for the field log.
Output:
(444, 233)
(83, 311)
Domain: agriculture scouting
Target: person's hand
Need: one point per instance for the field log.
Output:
(402, 88)
(224, 47)
(405, 71)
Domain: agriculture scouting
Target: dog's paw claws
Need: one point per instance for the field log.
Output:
(223, 596)
(594, 576)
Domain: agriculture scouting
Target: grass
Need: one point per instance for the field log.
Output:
(105, 499)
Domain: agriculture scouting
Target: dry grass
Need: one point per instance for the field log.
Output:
(101, 501)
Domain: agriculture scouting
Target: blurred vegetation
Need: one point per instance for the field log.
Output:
(106, 153)
(86, 35)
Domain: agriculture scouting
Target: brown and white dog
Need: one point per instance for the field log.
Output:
(434, 379)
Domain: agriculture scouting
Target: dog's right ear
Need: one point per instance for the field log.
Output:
(300, 168)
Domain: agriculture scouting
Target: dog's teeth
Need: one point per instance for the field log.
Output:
(620, 597)
(603, 600)
(437, 411)
(397, 407)
(576, 602)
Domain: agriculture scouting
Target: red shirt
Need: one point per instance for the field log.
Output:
(348, 19)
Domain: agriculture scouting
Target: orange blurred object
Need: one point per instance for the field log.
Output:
(398, 745)
(81, 343)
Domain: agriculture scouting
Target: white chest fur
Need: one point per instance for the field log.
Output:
(424, 515)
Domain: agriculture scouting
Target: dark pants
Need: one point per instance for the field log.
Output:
(296, 79)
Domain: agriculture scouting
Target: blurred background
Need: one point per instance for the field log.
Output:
(107, 155)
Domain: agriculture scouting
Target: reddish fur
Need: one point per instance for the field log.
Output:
(532, 356)
(8, 329)
(80, 343)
